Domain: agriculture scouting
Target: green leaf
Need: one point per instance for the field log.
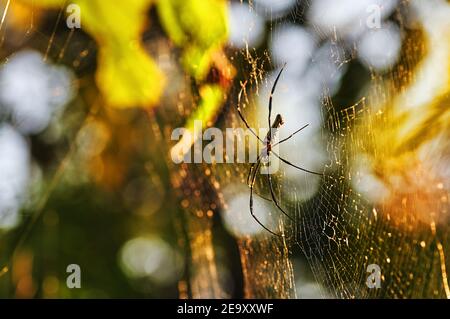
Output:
(199, 26)
(126, 76)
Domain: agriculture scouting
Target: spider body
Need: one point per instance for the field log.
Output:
(265, 154)
(270, 137)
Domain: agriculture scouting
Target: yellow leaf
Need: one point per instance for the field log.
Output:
(212, 97)
(126, 76)
(199, 26)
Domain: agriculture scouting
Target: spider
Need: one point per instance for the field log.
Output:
(265, 153)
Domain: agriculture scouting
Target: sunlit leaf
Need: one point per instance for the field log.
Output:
(212, 99)
(126, 75)
(199, 26)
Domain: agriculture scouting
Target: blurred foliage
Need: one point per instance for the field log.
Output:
(211, 99)
(127, 76)
(199, 27)
(103, 181)
(101, 175)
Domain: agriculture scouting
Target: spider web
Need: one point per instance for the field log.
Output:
(365, 129)
(341, 229)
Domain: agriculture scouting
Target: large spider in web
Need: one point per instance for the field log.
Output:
(266, 152)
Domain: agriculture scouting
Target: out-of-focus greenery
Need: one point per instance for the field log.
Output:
(199, 27)
(127, 76)
(89, 206)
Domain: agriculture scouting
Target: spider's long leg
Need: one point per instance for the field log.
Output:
(297, 167)
(285, 139)
(246, 124)
(238, 107)
(271, 94)
(251, 202)
(274, 199)
(251, 170)
(250, 176)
